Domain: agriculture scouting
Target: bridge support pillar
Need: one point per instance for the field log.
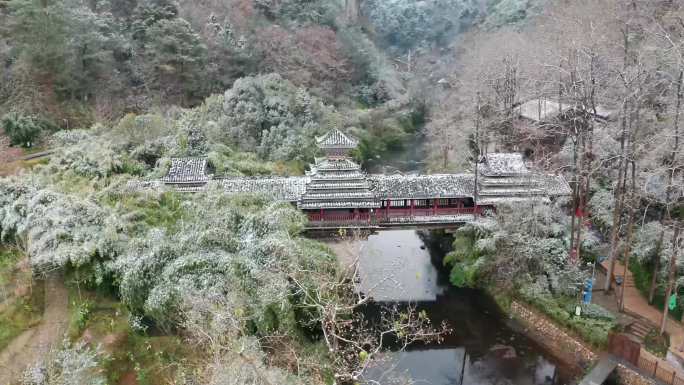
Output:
(413, 204)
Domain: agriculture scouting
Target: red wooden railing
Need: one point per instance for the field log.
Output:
(385, 215)
(339, 217)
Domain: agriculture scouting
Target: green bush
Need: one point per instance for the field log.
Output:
(22, 130)
(656, 343)
(465, 261)
(593, 326)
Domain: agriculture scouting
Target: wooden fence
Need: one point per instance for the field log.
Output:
(653, 368)
(629, 350)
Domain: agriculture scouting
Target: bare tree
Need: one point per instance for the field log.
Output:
(355, 342)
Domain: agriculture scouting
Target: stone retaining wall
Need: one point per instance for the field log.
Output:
(561, 344)
(566, 347)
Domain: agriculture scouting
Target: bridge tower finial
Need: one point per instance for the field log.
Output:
(336, 144)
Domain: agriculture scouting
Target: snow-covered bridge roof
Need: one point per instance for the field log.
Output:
(280, 188)
(422, 186)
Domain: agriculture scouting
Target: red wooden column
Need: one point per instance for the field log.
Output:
(435, 206)
(387, 207)
(412, 206)
(321, 214)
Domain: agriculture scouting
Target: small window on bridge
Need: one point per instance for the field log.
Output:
(398, 203)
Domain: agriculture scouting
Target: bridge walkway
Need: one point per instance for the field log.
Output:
(601, 371)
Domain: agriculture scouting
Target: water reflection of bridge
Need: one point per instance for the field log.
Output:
(337, 193)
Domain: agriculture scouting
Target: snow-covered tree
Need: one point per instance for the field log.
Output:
(262, 114)
(527, 243)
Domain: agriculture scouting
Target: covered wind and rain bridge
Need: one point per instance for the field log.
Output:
(337, 193)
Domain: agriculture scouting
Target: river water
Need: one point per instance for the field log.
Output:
(485, 346)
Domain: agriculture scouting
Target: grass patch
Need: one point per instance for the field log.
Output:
(8, 261)
(22, 313)
(163, 210)
(102, 320)
(12, 168)
(656, 343)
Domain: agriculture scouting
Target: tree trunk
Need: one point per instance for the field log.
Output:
(630, 232)
(352, 10)
(671, 279)
(574, 202)
(617, 210)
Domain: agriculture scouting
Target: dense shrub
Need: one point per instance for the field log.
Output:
(23, 130)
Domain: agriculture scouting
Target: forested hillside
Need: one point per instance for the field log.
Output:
(71, 64)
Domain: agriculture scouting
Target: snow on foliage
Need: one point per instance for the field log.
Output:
(408, 24)
(601, 206)
(525, 246)
(269, 115)
(244, 247)
(56, 229)
(71, 365)
(215, 246)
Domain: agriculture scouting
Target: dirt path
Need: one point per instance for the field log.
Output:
(638, 306)
(7, 153)
(33, 344)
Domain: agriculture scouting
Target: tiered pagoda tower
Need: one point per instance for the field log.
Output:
(336, 181)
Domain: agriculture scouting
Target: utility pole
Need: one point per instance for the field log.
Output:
(671, 278)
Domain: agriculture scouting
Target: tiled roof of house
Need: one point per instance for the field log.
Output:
(493, 201)
(337, 182)
(187, 170)
(540, 110)
(545, 110)
(503, 164)
(337, 164)
(555, 185)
